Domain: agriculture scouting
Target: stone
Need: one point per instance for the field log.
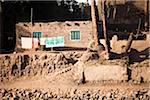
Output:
(148, 93)
(108, 94)
(58, 58)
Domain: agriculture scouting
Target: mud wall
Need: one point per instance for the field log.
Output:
(25, 65)
(20, 65)
(140, 72)
(106, 72)
(136, 44)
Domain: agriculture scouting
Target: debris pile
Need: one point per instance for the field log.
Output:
(15, 66)
(27, 94)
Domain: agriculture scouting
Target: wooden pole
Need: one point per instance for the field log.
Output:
(114, 10)
(128, 45)
(31, 16)
(94, 24)
(104, 27)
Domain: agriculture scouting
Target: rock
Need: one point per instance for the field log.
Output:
(76, 98)
(16, 97)
(11, 98)
(59, 58)
(141, 97)
(3, 91)
(135, 82)
(104, 98)
(38, 95)
(87, 56)
(140, 79)
(148, 93)
(108, 94)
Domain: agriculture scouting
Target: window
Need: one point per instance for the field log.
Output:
(75, 35)
(37, 34)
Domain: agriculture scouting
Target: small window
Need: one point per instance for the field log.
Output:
(75, 35)
(37, 34)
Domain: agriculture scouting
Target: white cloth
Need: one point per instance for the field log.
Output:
(42, 41)
(26, 42)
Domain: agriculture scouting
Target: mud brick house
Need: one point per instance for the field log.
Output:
(75, 33)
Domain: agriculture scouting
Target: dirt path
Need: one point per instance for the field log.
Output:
(64, 82)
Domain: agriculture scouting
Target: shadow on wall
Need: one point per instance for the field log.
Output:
(21, 32)
(134, 55)
(66, 49)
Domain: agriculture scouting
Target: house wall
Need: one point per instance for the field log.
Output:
(52, 29)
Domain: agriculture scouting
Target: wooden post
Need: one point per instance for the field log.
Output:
(94, 24)
(138, 29)
(128, 45)
(31, 16)
(114, 10)
(105, 28)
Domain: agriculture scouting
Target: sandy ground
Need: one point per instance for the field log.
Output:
(65, 81)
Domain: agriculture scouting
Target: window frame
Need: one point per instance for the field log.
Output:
(36, 34)
(75, 37)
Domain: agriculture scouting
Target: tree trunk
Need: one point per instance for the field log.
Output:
(105, 27)
(100, 10)
(94, 24)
